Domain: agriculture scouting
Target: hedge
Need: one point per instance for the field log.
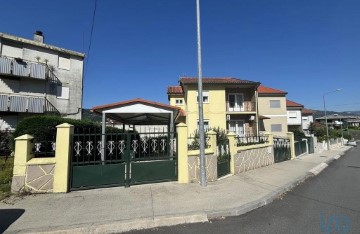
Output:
(44, 127)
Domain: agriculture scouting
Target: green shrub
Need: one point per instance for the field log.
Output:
(6, 172)
(44, 127)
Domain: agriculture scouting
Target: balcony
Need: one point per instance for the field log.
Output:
(21, 68)
(245, 107)
(25, 104)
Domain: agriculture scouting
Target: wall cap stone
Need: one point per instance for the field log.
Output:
(65, 125)
(231, 134)
(41, 161)
(211, 132)
(181, 125)
(24, 137)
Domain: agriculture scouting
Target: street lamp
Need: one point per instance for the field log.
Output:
(326, 122)
(200, 102)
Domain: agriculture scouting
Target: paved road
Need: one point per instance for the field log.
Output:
(328, 203)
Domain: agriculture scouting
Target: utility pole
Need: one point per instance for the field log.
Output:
(200, 102)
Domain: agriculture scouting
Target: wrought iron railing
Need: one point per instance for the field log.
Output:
(45, 143)
(121, 146)
(251, 140)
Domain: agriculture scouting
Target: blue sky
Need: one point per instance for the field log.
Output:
(139, 47)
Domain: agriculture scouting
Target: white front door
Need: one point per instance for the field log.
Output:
(237, 126)
(236, 102)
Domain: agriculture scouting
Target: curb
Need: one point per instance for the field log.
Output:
(273, 195)
(129, 225)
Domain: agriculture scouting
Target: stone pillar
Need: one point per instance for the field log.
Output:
(182, 152)
(292, 144)
(270, 138)
(23, 153)
(62, 157)
(233, 150)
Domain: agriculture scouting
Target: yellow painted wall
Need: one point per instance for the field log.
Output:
(276, 115)
(173, 101)
(214, 110)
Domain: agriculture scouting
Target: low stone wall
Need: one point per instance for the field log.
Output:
(248, 159)
(40, 178)
(194, 166)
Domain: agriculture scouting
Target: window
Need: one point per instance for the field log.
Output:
(178, 101)
(292, 114)
(64, 61)
(63, 92)
(205, 97)
(276, 128)
(274, 103)
(236, 102)
(206, 125)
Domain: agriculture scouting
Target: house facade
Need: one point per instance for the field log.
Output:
(228, 103)
(38, 78)
(307, 119)
(273, 110)
(294, 117)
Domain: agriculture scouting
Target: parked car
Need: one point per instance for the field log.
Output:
(352, 143)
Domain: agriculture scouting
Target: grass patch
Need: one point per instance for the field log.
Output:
(6, 173)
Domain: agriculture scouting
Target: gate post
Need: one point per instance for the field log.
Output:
(307, 145)
(233, 149)
(62, 157)
(292, 144)
(182, 152)
(23, 153)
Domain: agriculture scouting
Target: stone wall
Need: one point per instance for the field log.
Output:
(250, 159)
(194, 167)
(40, 178)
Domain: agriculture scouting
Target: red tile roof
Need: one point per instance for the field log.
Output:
(99, 109)
(293, 104)
(307, 112)
(213, 80)
(174, 90)
(267, 90)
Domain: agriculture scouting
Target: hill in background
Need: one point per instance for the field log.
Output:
(320, 113)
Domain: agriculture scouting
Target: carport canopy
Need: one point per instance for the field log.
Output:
(137, 112)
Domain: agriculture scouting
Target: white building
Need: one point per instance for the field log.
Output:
(307, 119)
(37, 78)
(294, 119)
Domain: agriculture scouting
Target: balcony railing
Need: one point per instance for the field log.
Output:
(244, 107)
(23, 103)
(19, 67)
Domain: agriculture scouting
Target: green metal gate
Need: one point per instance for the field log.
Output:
(300, 147)
(223, 159)
(129, 159)
(281, 149)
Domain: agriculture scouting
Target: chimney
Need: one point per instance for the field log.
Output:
(39, 37)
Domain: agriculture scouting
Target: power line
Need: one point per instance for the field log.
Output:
(91, 35)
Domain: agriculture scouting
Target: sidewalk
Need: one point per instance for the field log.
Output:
(145, 206)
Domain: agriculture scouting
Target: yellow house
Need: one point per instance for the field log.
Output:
(229, 103)
(272, 107)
